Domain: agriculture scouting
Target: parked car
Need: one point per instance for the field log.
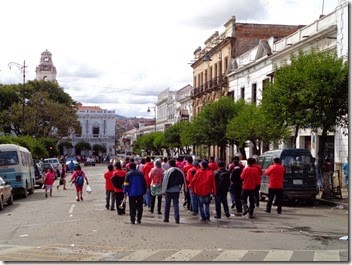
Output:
(300, 182)
(39, 175)
(45, 166)
(53, 161)
(6, 194)
(90, 161)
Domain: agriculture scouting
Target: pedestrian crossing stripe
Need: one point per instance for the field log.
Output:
(86, 253)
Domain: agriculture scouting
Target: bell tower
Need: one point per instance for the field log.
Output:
(46, 69)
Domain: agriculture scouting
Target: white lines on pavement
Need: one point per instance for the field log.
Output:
(279, 255)
(184, 255)
(139, 255)
(234, 255)
(71, 210)
(326, 255)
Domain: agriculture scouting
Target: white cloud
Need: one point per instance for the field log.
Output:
(121, 55)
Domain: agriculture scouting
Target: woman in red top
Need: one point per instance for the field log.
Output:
(117, 180)
(249, 177)
(276, 174)
(156, 178)
(109, 189)
(49, 181)
(76, 176)
(194, 199)
(203, 184)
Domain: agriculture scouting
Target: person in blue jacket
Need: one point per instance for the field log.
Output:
(135, 187)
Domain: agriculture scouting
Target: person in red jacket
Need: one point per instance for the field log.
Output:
(49, 181)
(203, 184)
(109, 189)
(275, 172)
(145, 170)
(249, 177)
(212, 165)
(259, 179)
(117, 180)
(194, 199)
(187, 198)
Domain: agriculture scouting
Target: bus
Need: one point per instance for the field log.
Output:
(17, 168)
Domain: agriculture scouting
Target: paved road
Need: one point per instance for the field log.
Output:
(61, 229)
(96, 253)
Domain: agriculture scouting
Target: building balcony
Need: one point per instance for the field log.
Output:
(214, 84)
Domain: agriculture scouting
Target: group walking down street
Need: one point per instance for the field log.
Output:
(147, 184)
(186, 197)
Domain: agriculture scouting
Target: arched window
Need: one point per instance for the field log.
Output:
(96, 129)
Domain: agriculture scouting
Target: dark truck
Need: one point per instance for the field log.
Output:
(300, 180)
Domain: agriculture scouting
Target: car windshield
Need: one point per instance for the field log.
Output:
(298, 164)
(8, 158)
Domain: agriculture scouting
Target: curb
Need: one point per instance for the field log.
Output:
(333, 203)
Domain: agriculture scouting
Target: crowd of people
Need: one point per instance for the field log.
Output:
(141, 183)
(144, 183)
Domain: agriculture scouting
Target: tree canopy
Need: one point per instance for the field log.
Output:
(309, 92)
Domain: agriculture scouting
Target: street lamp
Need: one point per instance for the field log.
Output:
(154, 116)
(22, 68)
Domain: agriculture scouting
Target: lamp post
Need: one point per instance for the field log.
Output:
(154, 116)
(22, 68)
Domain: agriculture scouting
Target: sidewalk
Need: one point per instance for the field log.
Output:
(344, 201)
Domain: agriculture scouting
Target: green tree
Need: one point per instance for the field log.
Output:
(210, 125)
(251, 124)
(82, 146)
(48, 110)
(97, 148)
(173, 137)
(310, 92)
(64, 145)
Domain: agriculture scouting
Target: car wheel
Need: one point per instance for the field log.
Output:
(25, 192)
(1, 204)
(10, 200)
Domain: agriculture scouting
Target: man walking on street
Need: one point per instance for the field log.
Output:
(135, 187)
(275, 173)
(172, 181)
(203, 184)
(222, 180)
(249, 177)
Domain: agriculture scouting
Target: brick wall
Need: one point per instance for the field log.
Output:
(248, 35)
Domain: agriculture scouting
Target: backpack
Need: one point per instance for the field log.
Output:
(79, 180)
(175, 179)
(223, 181)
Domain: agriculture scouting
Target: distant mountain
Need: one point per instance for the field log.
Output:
(130, 123)
(120, 116)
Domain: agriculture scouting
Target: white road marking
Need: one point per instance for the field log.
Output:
(233, 255)
(184, 255)
(71, 209)
(326, 255)
(139, 255)
(279, 255)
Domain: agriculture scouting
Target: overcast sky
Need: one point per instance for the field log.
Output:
(120, 55)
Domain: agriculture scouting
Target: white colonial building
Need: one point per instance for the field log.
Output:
(184, 104)
(250, 71)
(165, 110)
(97, 127)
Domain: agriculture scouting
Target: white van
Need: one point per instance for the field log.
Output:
(53, 161)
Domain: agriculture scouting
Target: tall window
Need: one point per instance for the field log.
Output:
(226, 63)
(254, 93)
(265, 83)
(242, 92)
(96, 130)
